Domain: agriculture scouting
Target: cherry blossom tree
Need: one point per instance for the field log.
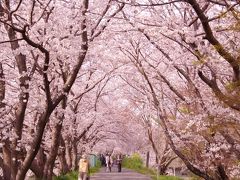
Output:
(39, 35)
(76, 74)
(180, 44)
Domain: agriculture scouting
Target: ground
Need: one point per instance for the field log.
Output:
(114, 175)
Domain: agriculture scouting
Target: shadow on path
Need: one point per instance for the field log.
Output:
(114, 175)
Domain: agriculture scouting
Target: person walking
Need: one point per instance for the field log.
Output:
(109, 161)
(119, 162)
(102, 159)
(83, 168)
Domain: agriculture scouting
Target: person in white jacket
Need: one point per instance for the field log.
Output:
(109, 162)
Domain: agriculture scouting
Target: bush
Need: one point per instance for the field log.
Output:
(134, 162)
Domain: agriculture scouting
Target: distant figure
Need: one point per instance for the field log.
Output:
(119, 162)
(83, 168)
(108, 159)
(102, 159)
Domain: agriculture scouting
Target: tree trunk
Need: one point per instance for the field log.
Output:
(2, 87)
(220, 173)
(162, 169)
(62, 157)
(74, 156)
(41, 158)
(35, 144)
(36, 169)
(147, 159)
(68, 152)
(23, 97)
(6, 161)
(37, 165)
(1, 166)
(49, 165)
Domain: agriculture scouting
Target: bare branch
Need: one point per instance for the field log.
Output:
(149, 5)
(84, 47)
(105, 25)
(32, 11)
(101, 18)
(2, 42)
(223, 13)
(19, 3)
(217, 2)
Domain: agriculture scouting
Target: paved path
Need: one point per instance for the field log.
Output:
(114, 175)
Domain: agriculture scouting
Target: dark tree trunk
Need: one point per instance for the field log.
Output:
(68, 151)
(62, 157)
(147, 159)
(36, 169)
(220, 173)
(6, 161)
(74, 155)
(162, 169)
(49, 165)
(2, 87)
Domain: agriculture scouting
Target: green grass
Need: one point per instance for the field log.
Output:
(74, 174)
(95, 169)
(166, 178)
(135, 163)
(71, 175)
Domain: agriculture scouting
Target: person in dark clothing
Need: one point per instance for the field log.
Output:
(102, 159)
(119, 162)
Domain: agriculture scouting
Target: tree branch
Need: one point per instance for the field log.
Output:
(93, 36)
(84, 47)
(232, 102)
(211, 38)
(149, 5)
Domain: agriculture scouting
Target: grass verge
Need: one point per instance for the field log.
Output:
(135, 163)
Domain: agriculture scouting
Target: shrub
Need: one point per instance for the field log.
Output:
(134, 162)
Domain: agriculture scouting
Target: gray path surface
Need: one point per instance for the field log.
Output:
(114, 175)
